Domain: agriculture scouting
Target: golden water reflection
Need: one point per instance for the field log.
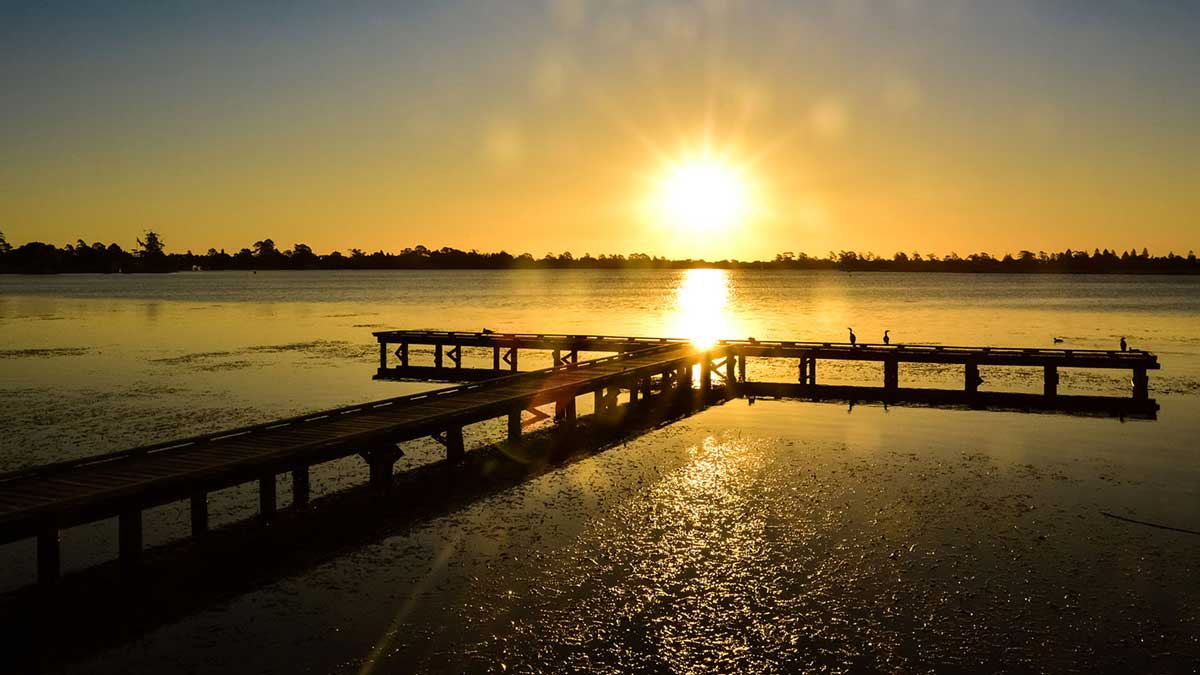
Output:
(702, 312)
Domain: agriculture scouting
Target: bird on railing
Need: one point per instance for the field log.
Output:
(1056, 339)
(1124, 345)
(853, 339)
(886, 340)
(487, 331)
(752, 340)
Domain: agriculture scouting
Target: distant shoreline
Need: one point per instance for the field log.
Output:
(151, 257)
(742, 266)
(756, 267)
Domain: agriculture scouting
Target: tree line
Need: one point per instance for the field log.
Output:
(149, 255)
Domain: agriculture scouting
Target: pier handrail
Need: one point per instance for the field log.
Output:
(224, 434)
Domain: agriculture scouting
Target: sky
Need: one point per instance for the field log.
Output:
(898, 125)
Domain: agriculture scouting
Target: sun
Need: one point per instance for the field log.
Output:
(702, 194)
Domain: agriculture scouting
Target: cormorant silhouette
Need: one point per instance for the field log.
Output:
(853, 339)
(1056, 339)
(1124, 345)
(487, 331)
(886, 340)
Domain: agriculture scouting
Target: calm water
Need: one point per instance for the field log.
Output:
(96, 363)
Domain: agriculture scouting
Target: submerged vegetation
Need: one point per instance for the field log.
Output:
(149, 255)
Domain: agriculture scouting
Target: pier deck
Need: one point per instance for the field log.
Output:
(41, 501)
(448, 362)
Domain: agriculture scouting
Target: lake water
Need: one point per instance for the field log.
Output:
(90, 364)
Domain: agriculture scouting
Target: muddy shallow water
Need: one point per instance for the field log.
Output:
(773, 538)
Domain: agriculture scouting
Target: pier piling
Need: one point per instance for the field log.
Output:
(1050, 381)
(49, 556)
(199, 513)
(129, 538)
(266, 497)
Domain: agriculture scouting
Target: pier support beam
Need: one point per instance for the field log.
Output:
(514, 426)
(49, 557)
(741, 368)
(705, 377)
(455, 448)
(891, 374)
(564, 413)
(300, 487)
(731, 375)
(199, 509)
(380, 461)
(266, 497)
(808, 370)
(971, 378)
(1050, 383)
(1141, 384)
(129, 538)
(510, 357)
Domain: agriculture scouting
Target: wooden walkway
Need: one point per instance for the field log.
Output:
(448, 362)
(41, 501)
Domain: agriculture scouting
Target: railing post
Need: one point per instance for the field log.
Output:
(404, 354)
(383, 349)
(1050, 384)
(437, 355)
(496, 357)
(730, 374)
(742, 367)
(705, 377)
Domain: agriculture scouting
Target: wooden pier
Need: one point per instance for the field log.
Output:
(43, 501)
(505, 348)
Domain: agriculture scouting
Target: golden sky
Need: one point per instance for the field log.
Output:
(544, 127)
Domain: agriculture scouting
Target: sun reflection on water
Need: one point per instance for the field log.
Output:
(702, 311)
